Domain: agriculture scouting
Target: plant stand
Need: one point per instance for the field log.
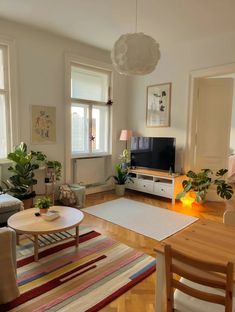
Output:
(50, 181)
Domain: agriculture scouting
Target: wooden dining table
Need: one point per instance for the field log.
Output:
(204, 239)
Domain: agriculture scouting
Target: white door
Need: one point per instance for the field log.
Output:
(213, 123)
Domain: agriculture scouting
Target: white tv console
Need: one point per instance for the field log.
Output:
(156, 182)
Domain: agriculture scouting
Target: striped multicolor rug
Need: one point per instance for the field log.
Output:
(66, 279)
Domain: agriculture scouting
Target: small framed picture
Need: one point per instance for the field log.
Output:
(158, 105)
(43, 124)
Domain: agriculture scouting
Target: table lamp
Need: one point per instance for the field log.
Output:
(125, 136)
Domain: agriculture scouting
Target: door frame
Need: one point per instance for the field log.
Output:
(194, 77)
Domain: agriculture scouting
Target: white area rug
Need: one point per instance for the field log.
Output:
(154, 222)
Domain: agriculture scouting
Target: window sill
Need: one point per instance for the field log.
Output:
(75, 156)
(5, 161)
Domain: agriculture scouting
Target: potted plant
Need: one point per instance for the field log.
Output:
(55, 167)
(200, 183)
(43, 204)
(22, 180)
(125, 158)
(121, 178)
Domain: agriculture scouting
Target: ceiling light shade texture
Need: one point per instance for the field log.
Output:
(135, 54)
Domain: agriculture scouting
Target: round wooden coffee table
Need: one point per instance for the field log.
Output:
(25, 222)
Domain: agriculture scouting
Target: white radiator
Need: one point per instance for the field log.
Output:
(90, 171)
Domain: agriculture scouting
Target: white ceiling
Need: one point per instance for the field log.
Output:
(101, 22)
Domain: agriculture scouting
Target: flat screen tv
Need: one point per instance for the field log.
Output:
(153, 152)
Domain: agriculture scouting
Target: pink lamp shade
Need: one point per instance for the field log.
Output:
(125, 135)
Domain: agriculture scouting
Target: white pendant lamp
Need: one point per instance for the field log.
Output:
(135, 53)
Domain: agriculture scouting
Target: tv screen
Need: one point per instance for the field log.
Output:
(153, 152)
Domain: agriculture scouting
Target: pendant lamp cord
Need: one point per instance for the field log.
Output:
(136, 15)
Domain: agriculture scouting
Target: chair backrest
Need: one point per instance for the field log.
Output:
(229, 217)
(201, 272)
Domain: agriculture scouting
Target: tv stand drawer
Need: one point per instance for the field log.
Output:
(133, 185)
(145, 186)
(163, 189)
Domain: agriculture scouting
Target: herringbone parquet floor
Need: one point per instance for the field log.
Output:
(141, 297)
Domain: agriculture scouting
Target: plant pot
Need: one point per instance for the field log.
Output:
(43, 210)
(120, 189)
(28, 203)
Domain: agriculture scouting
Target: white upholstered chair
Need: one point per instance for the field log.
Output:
(8, 206)
(8, 283)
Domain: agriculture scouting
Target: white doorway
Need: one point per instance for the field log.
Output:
(213, 123)
(204, 122)
(209, 119)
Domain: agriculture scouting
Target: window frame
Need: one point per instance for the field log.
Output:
(5, 92)
(90, 104)
(10, 91)
(69, 59)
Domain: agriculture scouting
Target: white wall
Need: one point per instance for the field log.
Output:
(41, 81)
(175, 65)
(232, 132)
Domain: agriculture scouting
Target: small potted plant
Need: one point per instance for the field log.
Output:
(121, 178)
(56, 167)
(200, 182)
(43, 204)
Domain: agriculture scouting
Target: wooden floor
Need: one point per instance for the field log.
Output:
(141, 297)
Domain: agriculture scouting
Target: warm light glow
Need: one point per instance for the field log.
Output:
(187, 200)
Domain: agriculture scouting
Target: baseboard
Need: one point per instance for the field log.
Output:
(98, 189)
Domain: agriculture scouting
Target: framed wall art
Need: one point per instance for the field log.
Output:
(158, 105)
(43, 128)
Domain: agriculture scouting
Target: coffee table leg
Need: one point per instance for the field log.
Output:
(77, 236)
(17, 239)
(36, 248)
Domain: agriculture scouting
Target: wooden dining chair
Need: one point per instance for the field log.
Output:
(201, 283)
(229, 215)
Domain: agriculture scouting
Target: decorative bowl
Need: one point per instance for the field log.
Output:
(50, 215)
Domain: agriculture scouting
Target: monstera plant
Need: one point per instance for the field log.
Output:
(200, 182)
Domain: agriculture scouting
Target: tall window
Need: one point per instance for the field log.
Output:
(90, 115)
(5, 137)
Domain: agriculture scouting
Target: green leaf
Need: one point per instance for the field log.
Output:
(188, 186)
(207, 171)
(221, 172)
(180, 195)
(225, 191)
(191, 174)
(198, 197)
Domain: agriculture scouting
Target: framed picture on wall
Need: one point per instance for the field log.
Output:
(158, 105)
(43, 127)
